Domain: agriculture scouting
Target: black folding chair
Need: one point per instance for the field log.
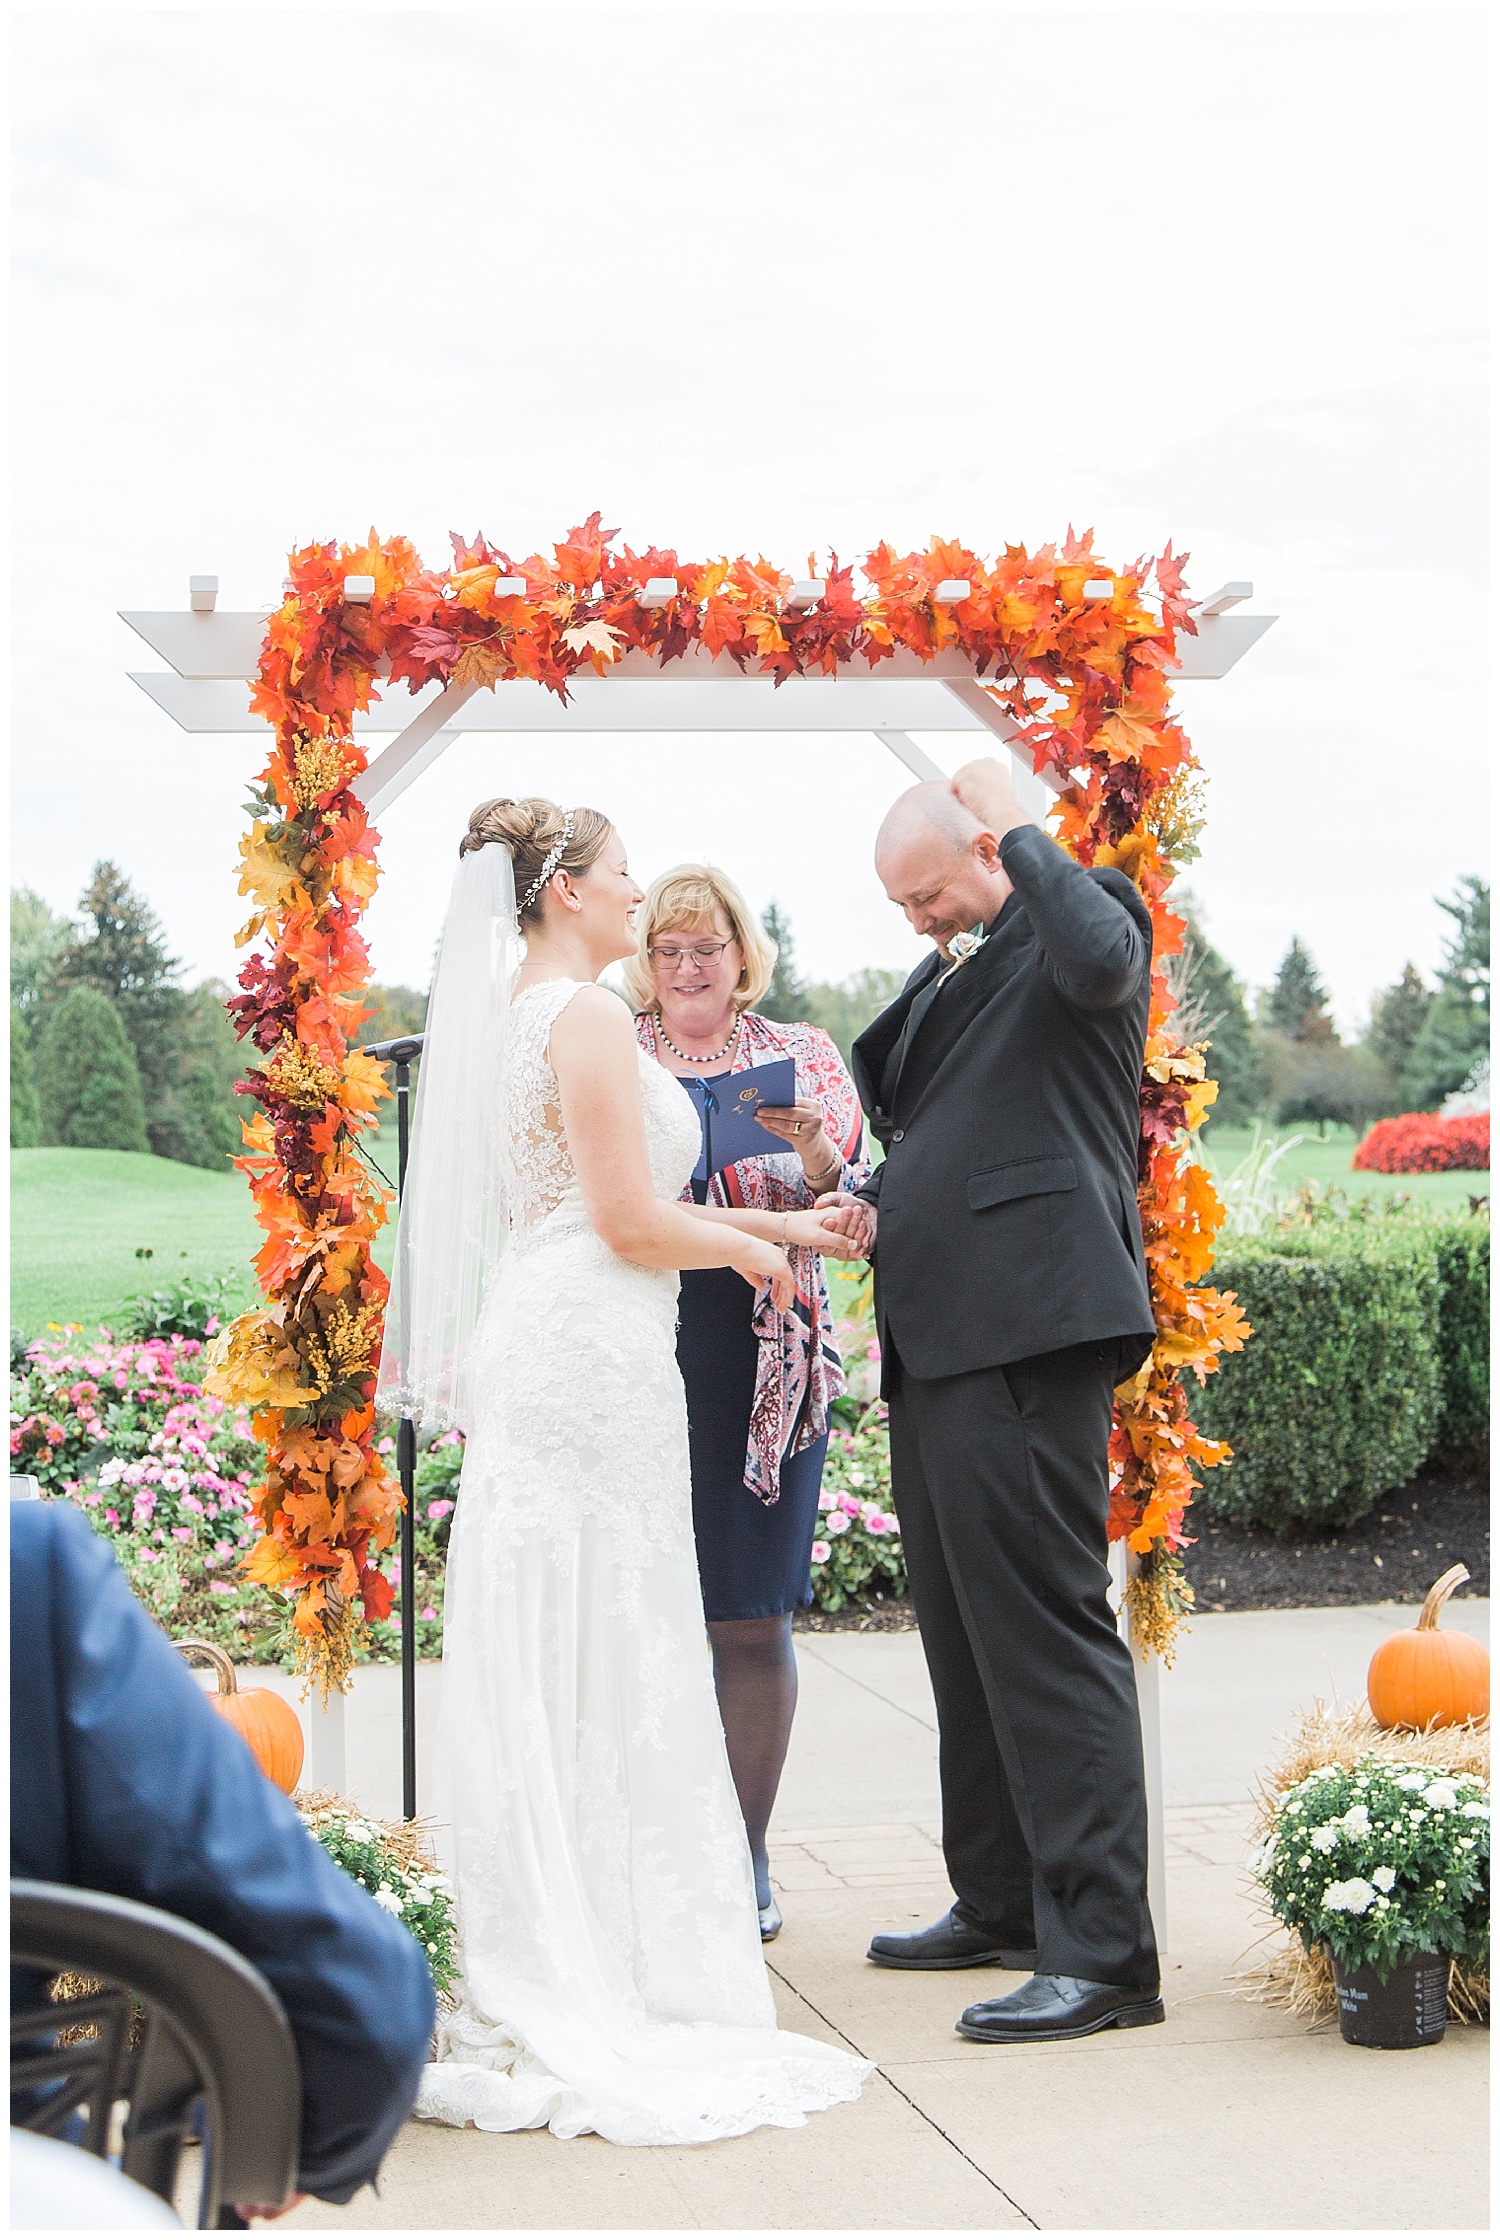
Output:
(185, 2033)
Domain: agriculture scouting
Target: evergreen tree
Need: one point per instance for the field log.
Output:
(1211, 1008)
(119, 950)
(786, 998)
(1297, 1006)
(88, 1082)
(1396, 1019)
(197, 1116)
(1455, 1034)
(37, 936)
(24, 1126)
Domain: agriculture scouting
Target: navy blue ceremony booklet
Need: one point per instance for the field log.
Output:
(727, 1104)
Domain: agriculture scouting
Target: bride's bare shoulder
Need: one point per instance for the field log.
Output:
(595, 1022)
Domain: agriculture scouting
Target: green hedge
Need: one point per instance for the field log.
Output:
(1463, 1253)
(1366, 1350)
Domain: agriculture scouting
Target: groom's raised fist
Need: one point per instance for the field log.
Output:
(988, 792)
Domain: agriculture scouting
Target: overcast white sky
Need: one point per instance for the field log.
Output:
(767, 279)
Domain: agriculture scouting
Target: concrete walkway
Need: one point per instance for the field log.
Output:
(1230, 2117)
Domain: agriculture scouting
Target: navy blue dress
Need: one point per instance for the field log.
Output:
(754, 1559)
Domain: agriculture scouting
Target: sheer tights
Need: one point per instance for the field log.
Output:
(755, 1673)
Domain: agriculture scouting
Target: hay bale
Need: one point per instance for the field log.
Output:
(1289, 1976)
(408, 1841)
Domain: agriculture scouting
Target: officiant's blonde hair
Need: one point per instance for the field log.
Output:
(694, 895)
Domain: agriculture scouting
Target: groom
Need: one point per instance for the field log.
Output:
(1010, 1291)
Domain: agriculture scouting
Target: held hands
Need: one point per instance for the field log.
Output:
(822, 1234)
(853, 1218)
(838, 1234)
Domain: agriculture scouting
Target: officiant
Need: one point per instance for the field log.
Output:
(759, 1384)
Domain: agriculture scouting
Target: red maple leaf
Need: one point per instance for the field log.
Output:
(580, 556)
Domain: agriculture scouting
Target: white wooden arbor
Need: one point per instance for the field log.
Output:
(212, 655)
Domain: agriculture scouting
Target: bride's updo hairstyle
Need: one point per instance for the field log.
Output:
(531, 829)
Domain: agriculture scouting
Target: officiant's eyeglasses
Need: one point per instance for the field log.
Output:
(702, 952)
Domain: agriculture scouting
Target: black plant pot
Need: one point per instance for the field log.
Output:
(1409, 2009)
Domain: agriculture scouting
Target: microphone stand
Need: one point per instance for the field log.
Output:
(400, 1052)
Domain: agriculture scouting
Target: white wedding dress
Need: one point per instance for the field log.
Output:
(613, 1974)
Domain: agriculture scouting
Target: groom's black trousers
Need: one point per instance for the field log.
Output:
(1000, 1480)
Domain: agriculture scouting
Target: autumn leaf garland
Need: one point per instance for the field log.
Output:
(1084, 676)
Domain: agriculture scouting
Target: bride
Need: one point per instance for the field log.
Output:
(613, 1972)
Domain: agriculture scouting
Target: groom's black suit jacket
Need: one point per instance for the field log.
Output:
(1007, 1096)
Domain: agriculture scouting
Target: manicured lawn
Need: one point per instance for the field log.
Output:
(78, 1218)
(1326, 1159)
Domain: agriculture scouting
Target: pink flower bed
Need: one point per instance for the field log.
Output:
(159, 1468)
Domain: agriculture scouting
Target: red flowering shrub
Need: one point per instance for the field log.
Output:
(1426, 1143)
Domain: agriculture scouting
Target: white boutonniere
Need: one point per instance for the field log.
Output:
(962, 947)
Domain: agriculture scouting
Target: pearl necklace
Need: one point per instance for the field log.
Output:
(686, 1056)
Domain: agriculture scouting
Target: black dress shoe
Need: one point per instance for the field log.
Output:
(770, 1920)
(949, 1943)
(1059, 2007)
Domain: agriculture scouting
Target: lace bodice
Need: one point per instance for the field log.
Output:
(543, 1181)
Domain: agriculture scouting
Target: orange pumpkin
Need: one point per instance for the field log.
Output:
(1424, 1678)
(265, 1719)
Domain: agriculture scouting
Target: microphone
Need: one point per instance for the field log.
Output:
(400, 1051)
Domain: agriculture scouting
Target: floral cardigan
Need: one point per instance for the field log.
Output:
(799, 1373)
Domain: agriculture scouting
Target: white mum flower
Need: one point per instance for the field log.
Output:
(1324, 1838)
(1354, 1896)
(1411, 1781)
(1442, 1795)
(1476, 1812)
(1384, 1878)
(1356, 1821)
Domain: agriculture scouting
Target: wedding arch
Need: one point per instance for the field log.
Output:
(1067, 662)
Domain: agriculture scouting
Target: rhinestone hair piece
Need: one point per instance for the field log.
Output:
(554, 858)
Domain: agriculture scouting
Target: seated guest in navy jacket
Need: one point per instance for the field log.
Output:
(124, 1779)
